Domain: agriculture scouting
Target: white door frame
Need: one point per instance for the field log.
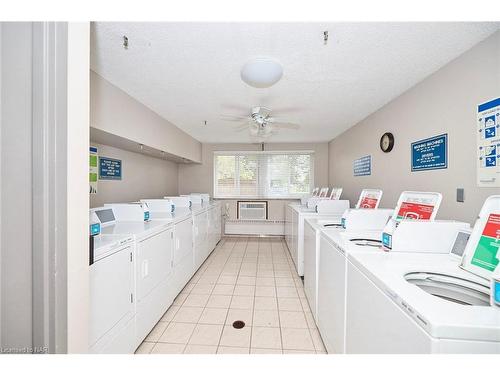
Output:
(49, 181)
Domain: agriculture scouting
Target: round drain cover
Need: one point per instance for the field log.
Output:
(238, 324)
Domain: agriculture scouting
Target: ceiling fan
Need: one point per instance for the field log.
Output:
(260, 123)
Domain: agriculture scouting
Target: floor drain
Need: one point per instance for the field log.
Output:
(238, 324)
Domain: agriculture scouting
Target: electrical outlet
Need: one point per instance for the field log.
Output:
(460, 195)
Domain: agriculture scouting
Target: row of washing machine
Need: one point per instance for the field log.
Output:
(141, 256)
(399, 281)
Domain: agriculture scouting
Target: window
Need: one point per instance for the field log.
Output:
(256, 174)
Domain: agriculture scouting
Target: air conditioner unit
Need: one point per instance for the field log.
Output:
(252, 210)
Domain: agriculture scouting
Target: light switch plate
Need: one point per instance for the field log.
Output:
(460, 195)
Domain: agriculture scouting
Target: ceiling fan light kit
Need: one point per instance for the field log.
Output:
(261, 72)
(261, 124)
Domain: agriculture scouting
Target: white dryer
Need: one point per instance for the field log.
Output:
(153, 263)
(112, 287)
(183, 252)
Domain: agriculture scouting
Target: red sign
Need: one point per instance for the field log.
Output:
(492, 227)
(415, 211)
(368, 203)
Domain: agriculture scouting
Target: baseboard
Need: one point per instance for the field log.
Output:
(255, 227)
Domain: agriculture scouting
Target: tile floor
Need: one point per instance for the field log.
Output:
(245, 278)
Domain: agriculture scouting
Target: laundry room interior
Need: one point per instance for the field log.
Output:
(250, 188)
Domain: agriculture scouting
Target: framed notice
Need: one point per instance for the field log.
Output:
(110, 169)
(363, 166)
(430, 153)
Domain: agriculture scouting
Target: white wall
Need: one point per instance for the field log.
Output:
(199, 177)
(142, 177)
(77, 174)
(445, 102)
(16, 186)
(114, 111)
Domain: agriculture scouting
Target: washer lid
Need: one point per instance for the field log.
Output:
(481, 255)
(369, 198)
(451, 288)
(417, 205)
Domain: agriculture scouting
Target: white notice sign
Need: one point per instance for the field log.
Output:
(488, 144)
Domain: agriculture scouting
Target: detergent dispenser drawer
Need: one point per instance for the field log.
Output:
(451, 288)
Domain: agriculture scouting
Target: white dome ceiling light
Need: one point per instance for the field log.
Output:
(261, 72)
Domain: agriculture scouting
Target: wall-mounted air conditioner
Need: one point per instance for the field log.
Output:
(252, 210)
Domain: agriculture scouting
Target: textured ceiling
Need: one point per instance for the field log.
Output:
(190, 72)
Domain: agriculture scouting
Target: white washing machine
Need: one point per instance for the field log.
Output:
(427, 303)
(112, 286)
(369, 199)
(312, 230)
(153, 263)
(325, 209)
(388, 312)
(332, 272)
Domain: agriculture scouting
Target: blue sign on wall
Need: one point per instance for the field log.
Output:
(110, 169)
(430, 153)
(363, 166)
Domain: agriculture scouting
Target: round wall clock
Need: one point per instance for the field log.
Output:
(387, 142)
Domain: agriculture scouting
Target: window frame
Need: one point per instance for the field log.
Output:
(261, 174)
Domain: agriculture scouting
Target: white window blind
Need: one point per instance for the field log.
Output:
(263, 174)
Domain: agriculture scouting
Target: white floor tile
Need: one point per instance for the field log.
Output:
(244, 315)
(177, 333)
(236, 337)
(206, 334)
(145, 348)
(265, 291)
(293, 319)
(266, 318)
(219, 301)
(156, 332)
(290, 304)
(167, 317)
(244, 290)
(242, 302)
(200, 349)
(188, 314)
(266, 338)
(213, 316)
(266, 303)
(246, 280)
(287, 291)
(202, 289)
(165, 348)
(264, 281)
(296, 338)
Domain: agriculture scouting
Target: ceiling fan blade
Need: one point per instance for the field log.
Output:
(241, 128)
(286, 125)
(288, 109)
(233, 118)
(236, 107)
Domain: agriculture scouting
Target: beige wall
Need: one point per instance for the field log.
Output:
(114, 111)
(199, 177)
(445, 102)
(142, 177)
